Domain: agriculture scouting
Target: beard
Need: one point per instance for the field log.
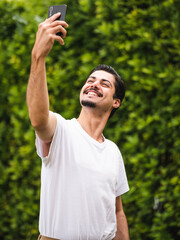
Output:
(88, 104)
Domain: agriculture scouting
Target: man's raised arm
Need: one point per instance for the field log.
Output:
(42, 120)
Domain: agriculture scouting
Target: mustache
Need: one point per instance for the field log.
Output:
(95, 90)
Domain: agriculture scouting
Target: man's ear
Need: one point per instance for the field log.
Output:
(117, 103)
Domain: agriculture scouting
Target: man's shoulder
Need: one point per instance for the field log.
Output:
(112, 144)
(60, 118)
(63, 125)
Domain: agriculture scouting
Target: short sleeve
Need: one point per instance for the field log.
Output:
(122, 183)
(55, 140)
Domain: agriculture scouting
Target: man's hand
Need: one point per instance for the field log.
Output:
(46, 35)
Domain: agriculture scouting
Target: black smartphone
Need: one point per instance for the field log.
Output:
(56, 9)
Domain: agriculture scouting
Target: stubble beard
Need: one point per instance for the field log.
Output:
(89, 104)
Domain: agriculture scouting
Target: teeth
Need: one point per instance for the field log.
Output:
(92, 93)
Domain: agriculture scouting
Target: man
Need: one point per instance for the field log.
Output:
(83, 175)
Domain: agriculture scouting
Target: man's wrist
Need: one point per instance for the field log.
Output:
(36, 56)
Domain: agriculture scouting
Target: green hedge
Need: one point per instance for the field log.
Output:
(140, 39)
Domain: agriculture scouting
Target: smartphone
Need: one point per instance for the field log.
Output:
(56, 9)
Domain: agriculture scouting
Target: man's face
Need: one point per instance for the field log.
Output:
(98, 91)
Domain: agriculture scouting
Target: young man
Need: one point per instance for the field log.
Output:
(83, 175)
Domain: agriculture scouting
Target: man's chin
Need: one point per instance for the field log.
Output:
(86, 103)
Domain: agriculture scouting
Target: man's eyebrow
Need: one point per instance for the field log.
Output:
(104, 80)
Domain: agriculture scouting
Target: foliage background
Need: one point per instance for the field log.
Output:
(140, 39)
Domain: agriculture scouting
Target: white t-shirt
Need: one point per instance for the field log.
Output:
(80, 180)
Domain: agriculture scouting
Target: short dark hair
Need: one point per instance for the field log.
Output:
(119, 84)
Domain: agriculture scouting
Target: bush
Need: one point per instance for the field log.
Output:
(140, 39)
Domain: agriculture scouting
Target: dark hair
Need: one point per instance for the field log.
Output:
(119, 84)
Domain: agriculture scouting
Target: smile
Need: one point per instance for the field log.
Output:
(93, 92)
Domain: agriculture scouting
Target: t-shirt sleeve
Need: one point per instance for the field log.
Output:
(55, 140)
(122, 183)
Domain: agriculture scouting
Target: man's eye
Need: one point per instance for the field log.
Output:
(106, 85)
(89, 81)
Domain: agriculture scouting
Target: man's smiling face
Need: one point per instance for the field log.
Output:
(98, 91)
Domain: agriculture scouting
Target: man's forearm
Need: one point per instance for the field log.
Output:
(37, 92)
(122, 228)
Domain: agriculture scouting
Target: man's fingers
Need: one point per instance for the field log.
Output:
(59, 29)
(53, 17)
(53, 26)
(58, 38)
(59, 26)
(58, 22)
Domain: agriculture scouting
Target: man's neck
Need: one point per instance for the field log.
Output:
(93, 124)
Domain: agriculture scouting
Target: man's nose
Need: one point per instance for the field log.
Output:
(96, 84)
